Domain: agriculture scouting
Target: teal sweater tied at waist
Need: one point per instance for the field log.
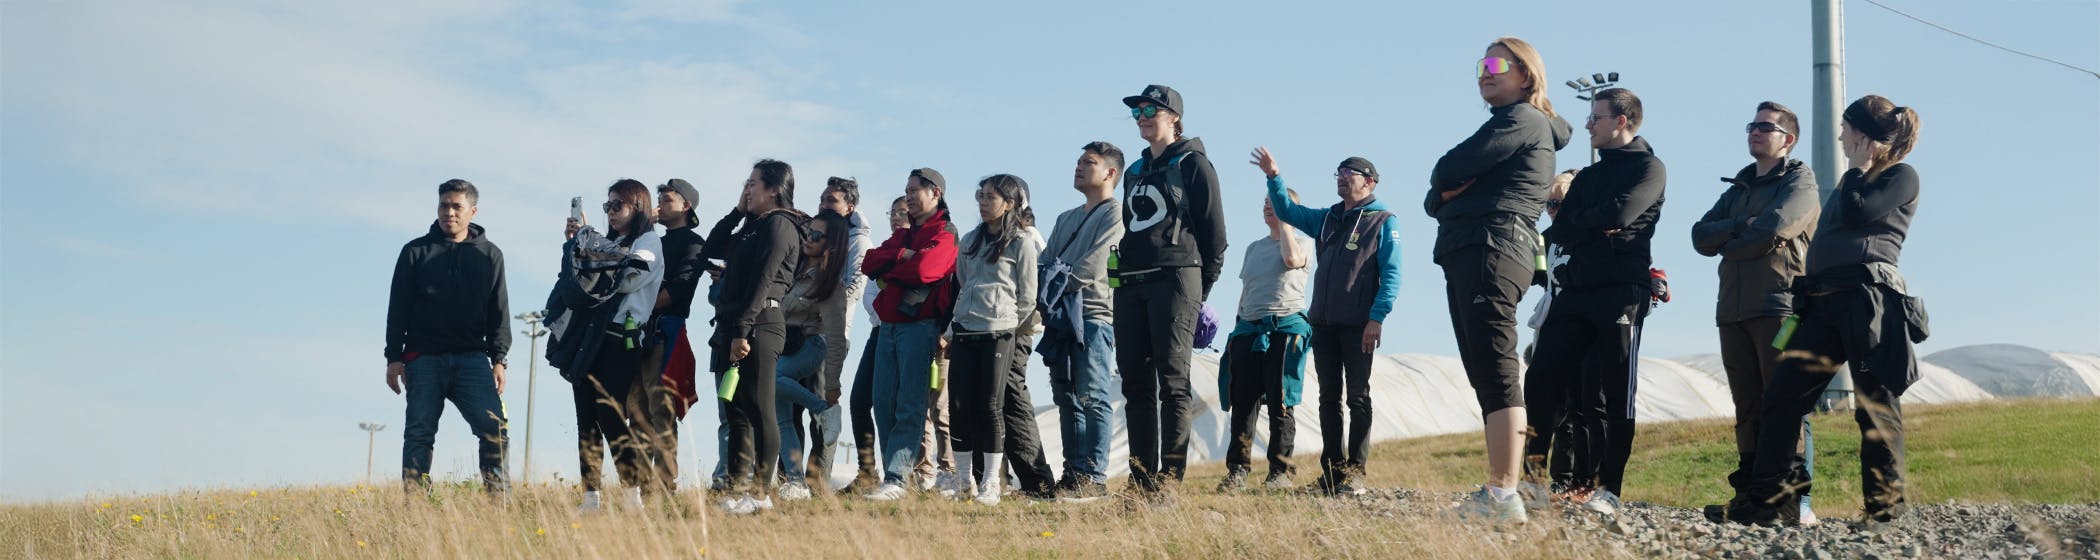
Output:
(1300, 333)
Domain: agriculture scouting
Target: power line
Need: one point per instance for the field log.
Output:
(1985, 43)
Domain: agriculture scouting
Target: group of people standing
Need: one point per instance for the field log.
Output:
(1116, 290)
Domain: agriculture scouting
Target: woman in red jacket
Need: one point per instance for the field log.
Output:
(916, 269)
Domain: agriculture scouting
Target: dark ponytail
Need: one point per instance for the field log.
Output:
(1883, 121)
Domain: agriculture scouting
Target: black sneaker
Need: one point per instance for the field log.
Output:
(1084, 490)
(1750, 512)
(1235, 481)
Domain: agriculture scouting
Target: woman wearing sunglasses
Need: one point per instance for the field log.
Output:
(760, 241)
(632, 250)
(816, 310)
(1486, 195)
(997, 273)
(1172, 251)
(1853, 310)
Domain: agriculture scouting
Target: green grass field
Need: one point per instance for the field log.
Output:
(2037, 450)
(2024, 451)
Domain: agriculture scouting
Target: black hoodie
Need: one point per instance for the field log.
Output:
(1173, 223)
(1509, 161)
(759, 265)
(448, 297)
(1621, 194)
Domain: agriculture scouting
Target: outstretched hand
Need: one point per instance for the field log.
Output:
(1265, 161)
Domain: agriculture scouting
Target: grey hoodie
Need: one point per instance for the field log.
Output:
(1761, 228)
(996, 294)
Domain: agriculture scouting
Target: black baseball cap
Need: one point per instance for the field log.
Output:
(1360, 165)
(1157, 94)
(931, 176)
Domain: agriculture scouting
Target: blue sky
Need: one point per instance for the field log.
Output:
(200, 202)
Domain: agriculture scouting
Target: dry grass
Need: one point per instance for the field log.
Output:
(1957, 452)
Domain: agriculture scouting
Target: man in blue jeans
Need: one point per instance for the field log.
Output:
(916, 267)
(447, 332)
(1079, 342)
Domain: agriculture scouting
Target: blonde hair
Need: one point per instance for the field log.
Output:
(1533, 67)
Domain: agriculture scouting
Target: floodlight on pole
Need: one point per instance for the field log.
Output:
(533, 330)
(371, 439)
(1586, 89)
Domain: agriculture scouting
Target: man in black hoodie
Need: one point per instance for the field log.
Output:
(661, 395)
(1172, 251)
(1761, 228)
(447, 333)
(1590, 341)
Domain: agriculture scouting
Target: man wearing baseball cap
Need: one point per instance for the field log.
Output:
(1172, 252)
(1357, 246)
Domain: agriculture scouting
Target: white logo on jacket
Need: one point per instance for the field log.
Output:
(1147, 206)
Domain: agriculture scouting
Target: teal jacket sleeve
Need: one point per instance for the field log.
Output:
(1388, 270)
(1308, 220)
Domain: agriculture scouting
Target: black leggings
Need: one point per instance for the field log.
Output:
(598, 398)
(977, 372)
(1257, 377)
(861, 404)
(754, 435)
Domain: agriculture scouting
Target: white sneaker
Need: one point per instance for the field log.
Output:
(1602, 501)
(764, 503)
(1808, 516)
(592, 503)
(888, 492)
(631, 499)
(1483, 506)
(988, 494)
(743, 505)
(929, 484)
(794, 492)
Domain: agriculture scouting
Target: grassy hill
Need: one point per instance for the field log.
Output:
(2026, 451)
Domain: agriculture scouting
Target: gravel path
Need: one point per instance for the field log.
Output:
(1949, 530)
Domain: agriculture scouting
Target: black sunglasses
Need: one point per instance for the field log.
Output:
(1757, 127)
(611, 205)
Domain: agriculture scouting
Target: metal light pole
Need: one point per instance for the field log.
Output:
(1829, 19)
(371, 439)
(1586, 89)
(534, 331)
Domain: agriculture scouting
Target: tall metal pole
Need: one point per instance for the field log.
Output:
(1829, 19)
(534, 331)
(371, 442)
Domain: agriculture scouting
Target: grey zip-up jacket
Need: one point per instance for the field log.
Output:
(1082, 242)
(1761, 228)
(997, 294)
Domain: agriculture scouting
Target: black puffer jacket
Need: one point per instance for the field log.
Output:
(1509, 162)
(1608, 218)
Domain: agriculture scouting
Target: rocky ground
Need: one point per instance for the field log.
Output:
(1949, 530)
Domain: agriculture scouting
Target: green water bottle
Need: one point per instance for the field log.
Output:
(727, 388)
(933, 376)
(1115, 257)
(1786, 332)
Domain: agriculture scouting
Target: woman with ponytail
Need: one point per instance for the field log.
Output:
(1853, 310)
(997, 273)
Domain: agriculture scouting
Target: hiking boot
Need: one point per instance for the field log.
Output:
(1482, 505)
(1752, 512)
(1279, 481)
(1351, 484)
(1535, 497)
(1235, 481)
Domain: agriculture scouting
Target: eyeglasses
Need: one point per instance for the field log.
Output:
(1146, 112)
(1758, 127)
(1596, 118)
(1493, 66)
(1348, 172)
(814, 235)
(1553, 204)
(611, 205)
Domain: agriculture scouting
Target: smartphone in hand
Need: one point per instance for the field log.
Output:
(576, 210)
